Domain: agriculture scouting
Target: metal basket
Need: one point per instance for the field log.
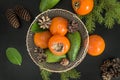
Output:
(56, 67)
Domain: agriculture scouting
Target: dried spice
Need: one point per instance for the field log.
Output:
(110, 69)
(41, 57)
(44, 22)
(12, 18)
(22, 12)
(72, 27)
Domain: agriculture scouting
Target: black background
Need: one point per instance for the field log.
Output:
(10, 37)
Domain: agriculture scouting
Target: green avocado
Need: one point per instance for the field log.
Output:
(51, 58)
(75, 42)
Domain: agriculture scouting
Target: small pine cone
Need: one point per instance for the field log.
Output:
(38, 50)
(72, 27)
(64, 62)
(22, 12)
(44, 22)
(12, 18)
(40, 56)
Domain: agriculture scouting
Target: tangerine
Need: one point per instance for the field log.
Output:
(41, 39)
(59, 26)
(96, 45)
(59, 45)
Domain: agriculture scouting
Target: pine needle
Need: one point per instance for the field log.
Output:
(70, 74)
(45, 75)
(90, 22)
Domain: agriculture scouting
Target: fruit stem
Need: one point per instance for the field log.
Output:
(58, 47)
(77, 4)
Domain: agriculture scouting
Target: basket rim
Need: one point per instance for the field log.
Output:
(77, 62)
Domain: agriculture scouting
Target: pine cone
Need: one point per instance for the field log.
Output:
(40, 56)
(22, 12)
(105, 65)
(111, 68)
(44, 22)
(12, 18)
(38, 50)
(115, 70)
(72, 27)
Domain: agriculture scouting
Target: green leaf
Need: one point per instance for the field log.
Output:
(35, 28)
(74, 74)
(45, 75)
(14, 56)
(47, 4)
(51, 58)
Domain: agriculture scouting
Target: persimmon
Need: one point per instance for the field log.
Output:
(96, 45)
(82, 7)
(59, 45)
(41, 39)
(59, 26)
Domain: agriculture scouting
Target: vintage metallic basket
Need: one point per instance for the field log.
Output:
(56, 67)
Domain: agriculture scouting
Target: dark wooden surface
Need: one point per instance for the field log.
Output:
(10, 37)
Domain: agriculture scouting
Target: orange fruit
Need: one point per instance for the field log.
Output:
(82, 7)
(59, 26)
(96, 45)
(59, 45)
(41, 39)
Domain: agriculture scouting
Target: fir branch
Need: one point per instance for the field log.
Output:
(90, 22)
(110, 13)
(45, 75)
(117, 12)
(98, 16)
(70, 74)
(109, 20)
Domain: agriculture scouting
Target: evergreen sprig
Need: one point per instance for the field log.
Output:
(105, 12)
(45, 74)
(74, 74)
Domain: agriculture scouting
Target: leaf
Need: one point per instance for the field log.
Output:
(45, 75)
(70, 74)
(51, 58)
(35, 28)
(14, 56)
(47, 4)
